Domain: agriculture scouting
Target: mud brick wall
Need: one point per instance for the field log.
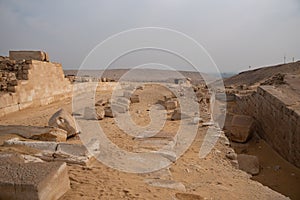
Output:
(279, 122)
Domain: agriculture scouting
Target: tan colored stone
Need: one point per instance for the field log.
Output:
(40, 181)
(28, 55)
(36, 133)
(240, 128)
(64, 120)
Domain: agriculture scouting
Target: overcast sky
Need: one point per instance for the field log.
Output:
(235, 33)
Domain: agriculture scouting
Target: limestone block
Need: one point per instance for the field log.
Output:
(248, 163)
(64, 120)
(40, 181)
(44, 146)
(241, 128)
(28, 55)
(35, 132)
(72, 153)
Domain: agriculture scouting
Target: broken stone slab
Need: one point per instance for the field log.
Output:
(28, 55)
(40, 181)
(35, 132)
(171, 184)
(248, 163)
(64, 120)
(52, 151)
(44, 146)
(241, 128)
(72, 153)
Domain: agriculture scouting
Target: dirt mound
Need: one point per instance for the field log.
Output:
(261, 75)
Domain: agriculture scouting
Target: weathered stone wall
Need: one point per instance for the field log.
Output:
(32, 83)
(36, 83)
(278, 122)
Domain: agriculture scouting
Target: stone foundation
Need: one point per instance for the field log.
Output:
(278, 119)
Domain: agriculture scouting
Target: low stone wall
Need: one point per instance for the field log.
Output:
(278, 122)
(32, 83)
(38, 83)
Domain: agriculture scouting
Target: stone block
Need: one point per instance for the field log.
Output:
(72, 153)
(40, 181)
(240, 128)
(28, 55)
(64, 120)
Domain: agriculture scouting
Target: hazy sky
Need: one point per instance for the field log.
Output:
(235, 33)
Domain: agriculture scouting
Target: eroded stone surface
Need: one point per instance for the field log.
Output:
(240, 128)
(35, 132)
(33, 180)
(52, 151)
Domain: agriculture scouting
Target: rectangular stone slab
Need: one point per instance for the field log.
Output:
(41, 181)
(28, 55)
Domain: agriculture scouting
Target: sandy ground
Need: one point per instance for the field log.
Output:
(212, 177)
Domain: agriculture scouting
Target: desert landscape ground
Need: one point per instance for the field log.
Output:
(43, 152)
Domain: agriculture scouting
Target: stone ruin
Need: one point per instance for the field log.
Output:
(29, 79)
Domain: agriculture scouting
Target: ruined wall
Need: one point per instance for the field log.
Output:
(278, 121)
(35, 83)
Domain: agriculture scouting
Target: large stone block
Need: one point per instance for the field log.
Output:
(240, 128)
(40, 181)
(29, 55)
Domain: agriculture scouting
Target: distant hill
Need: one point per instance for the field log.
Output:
(260, 75)
(143, 74)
